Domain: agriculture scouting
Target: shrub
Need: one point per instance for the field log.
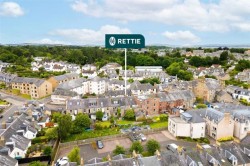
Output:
(152, 145)
(163, 118)
(225, 139)
(119, 150)
(137, 147)
(74, 155)
(201, 106)
(47, 150)
(42, 139)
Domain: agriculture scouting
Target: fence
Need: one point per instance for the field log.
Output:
(29, 160)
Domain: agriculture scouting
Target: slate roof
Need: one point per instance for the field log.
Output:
(6, 77)
(66, 76)
(6, 160)
(72, 84)
(117, 93)
(176, 95)
(99, 102)
(138, 86)
(27, 80)
(64, 92)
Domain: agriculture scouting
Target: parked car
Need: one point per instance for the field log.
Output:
(99, 144)
(134, 137)
(62, 161)
(172, 147)
(143, 137)
(1, 116)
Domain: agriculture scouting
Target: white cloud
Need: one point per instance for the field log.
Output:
(89, 36)
(11, 9)
(181, 36)
(217, 16)
(47, 41)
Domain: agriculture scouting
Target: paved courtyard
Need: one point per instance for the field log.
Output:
(88, 152)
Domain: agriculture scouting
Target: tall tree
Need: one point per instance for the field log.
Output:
(64, 126)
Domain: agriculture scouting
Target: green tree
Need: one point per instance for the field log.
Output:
(99, 115)
(56, 116)
(129, 115)
(52, 133)
(47, 150)
(242, 64)
(152, 145)
(74, 155)
(152, 81)
(64, 126)
(36, 163)
(81, 122)
(224, 56)
(163, 117)
(119, 150)
(137, 147)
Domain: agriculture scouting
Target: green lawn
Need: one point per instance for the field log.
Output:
(158, 125)
(124, 122)
(2, 102)
(26, 96)
(104, 124)
(92, 134)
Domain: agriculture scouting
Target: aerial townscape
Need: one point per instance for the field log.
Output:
(125, 83)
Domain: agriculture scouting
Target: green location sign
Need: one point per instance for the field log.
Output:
(124, 41)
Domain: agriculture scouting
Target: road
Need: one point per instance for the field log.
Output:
(16, 103)
(8, 112)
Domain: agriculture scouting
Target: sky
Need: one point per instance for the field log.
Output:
(162, 22)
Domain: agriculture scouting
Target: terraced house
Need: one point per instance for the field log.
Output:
(107, 105)
(34, 87)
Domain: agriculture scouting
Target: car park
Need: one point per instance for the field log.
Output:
(99, 144)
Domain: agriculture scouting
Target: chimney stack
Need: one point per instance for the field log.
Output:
(3, 125)
(2, 141)
(158, 155)
(82, 162)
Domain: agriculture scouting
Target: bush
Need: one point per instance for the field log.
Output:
(98, 126)
(74, 155)
(129, 115)
(119, 150)
(137, 147)
(42, 139)
(41, 133)
(47, 150)
(201, 106)
(163, 118)
(225, 139)
(152, 145)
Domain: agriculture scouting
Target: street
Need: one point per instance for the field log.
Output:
(8, 112)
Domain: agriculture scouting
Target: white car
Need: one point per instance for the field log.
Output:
(143, 137)
(62, 161)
